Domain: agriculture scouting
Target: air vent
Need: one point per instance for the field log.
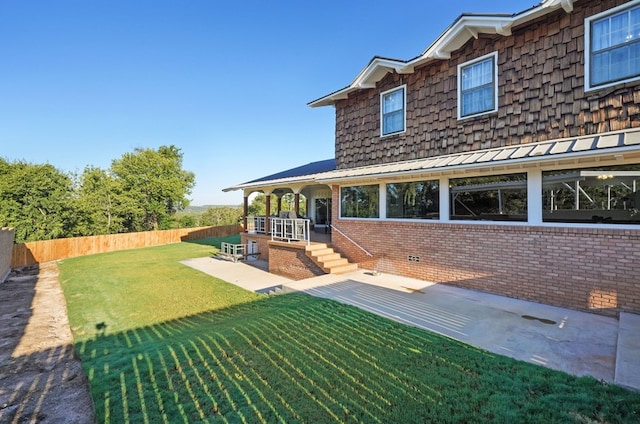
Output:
(412, 258)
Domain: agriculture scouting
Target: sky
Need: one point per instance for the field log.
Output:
(84, 82)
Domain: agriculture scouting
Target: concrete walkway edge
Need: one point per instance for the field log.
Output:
(628, 351)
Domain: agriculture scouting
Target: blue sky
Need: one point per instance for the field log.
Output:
(83, 82)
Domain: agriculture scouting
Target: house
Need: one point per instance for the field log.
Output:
(504, 158)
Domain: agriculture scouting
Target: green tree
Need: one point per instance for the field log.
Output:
(36, 200)
(154, 181)
(102, 206)
(221, 215)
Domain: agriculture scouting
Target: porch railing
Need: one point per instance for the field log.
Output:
(281, 228)
(290, 229)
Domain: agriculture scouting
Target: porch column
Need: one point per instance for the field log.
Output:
(245, 212)
(267, 220)
(296, 203)
(279, 204)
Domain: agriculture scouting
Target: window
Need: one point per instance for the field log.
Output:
(477, 87)
(414, 200)
(613, 46)
(494, 198)
(594, 195)
(392, 111)
(360, 201)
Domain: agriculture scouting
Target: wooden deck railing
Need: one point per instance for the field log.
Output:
(51, 250)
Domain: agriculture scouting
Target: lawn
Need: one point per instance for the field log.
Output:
(164, 343)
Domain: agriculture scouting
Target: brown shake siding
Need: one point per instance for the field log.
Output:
(540, 97)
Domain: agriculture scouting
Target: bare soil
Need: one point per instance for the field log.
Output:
(41, 378)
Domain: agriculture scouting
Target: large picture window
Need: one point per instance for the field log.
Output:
(360, 201)
(493, 198)
(613, 46)
(392, 111)
(477, 87)
(592, 195)
(414, 200)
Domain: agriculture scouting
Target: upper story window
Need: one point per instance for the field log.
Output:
(392, 111)
(477, 86)
(613, 46)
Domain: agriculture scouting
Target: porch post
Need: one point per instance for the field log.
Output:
(296, 203)
(279, 204)
(245, 212)
(267, 220)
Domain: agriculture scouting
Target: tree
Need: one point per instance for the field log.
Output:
(221, 215)
(36, 200)
(102, 206)
(154, 181)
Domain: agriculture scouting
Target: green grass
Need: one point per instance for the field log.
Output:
(163, 343)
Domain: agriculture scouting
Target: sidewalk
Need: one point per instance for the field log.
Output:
(575, 342)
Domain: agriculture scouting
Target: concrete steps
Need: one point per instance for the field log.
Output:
(627, 372)
(329, 260)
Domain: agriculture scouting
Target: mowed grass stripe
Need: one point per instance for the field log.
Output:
(319, 376)
(291, 372)
(361, 376)
(254, 380)
(315, 353)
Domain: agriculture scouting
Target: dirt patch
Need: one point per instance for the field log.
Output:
(41, 378)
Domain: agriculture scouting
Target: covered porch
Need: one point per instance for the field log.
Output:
(294, 234)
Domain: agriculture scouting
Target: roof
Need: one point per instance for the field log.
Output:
(515, 154)
(465, 27)
(302, 173)
(614, 143)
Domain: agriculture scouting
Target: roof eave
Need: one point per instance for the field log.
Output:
(454, 37)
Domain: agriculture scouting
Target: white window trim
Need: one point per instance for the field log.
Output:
(404, 110)
(493, 55)
(587, 47)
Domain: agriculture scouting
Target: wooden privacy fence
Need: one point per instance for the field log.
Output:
(50, 250)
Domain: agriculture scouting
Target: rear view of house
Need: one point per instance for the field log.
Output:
(504, 158)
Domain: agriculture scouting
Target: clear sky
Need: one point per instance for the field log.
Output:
(84, 81)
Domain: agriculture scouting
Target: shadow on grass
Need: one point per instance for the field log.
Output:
(296, 358)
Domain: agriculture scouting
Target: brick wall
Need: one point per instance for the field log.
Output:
(291, 261)
(540, 89)
(595, 270)
(6, 247)
(262, 240)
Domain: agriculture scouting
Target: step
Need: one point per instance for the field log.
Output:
(315, 246)
(342, 269)
(335, 262)
(321, 252)
(329, 257)
(627, 363)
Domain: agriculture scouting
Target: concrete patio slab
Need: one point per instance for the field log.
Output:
(250, 275)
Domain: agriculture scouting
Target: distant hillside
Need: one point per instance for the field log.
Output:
(203, 208)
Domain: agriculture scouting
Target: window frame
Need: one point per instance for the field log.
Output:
(401, 201)
(494, 60)
(371, 206)
(588, 22)
(402, 88)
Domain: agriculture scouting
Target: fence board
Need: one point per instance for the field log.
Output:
(50, 250)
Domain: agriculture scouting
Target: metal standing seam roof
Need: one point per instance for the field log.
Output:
(533, 152)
